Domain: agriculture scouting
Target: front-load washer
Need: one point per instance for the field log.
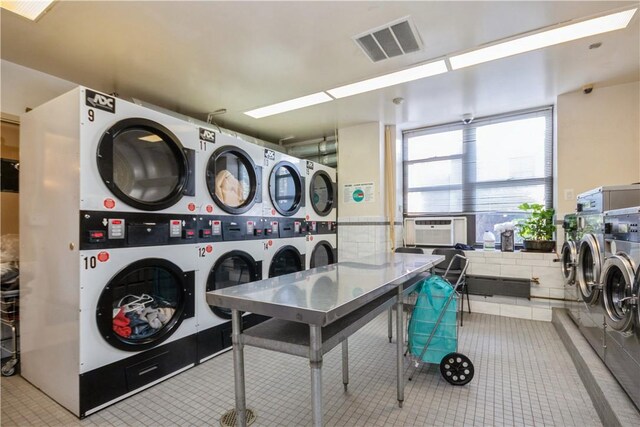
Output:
(283, 256)
(321, 250)
(130, 158)
(230, 174)
(222, 265)
(569, 257)
(283, 186)
(321, 193)
(620, 297)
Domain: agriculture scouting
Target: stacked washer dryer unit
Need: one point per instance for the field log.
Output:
(284, 209)
(620, 297)
(231, 230)
(590, 217)
(107, 307)
(321, 204)
(569, 256)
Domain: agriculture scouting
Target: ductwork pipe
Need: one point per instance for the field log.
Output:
(319, 149)
(330, 160)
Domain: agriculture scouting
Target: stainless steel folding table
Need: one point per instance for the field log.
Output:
(315, 310)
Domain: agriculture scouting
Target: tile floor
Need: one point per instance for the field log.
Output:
(524, 377)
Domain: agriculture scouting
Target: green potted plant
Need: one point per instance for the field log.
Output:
(537, 230)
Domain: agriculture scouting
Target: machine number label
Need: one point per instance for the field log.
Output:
(202, 252)
(91, 114)
(90, 262)
(100, 101)
(269, 154)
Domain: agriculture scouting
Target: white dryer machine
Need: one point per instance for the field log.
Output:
(124, 157)
(222, 265)
(321, 250)
(283, 256)
(284, 186)
(322, 192)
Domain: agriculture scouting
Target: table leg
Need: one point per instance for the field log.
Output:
(238, 368)
(390, 324)
(400, 346)
(315, 363)
(345, 364)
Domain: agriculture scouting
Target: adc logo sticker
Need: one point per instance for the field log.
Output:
(309, 165)
(207, 135)
(100, 101)
(269, 154)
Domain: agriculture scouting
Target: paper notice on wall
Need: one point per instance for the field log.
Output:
(358, 193)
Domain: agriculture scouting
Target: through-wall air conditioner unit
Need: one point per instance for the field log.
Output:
(432, 231)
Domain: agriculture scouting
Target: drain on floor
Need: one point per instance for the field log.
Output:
(229, 418)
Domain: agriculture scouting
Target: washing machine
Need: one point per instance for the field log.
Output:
(283, 256)
(590, 231)
(222, 265)
(284, 186)
(620, 293)
(130, 158)
(321, 250)
(321, 193)
(569, 257)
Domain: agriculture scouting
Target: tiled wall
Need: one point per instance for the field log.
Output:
(363, 236)
(547, 293)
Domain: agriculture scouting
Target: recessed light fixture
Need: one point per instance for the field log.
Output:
(292, 104)
(559, 34)
(30, 9)
(410, 74)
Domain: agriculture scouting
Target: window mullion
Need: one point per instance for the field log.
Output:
(468, 168)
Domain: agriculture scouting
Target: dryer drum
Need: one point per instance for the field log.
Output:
(617, 280)
(569, 261)
(143, 304)
(286, 188)
(232, 269)
(233, 180)
(322, 255)
(322, 193)
(143, 164)
(287, 260)
(635, 291)
(589, 267)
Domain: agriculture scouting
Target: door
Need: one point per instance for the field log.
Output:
(286, 188)
(232, 269)
(322, 191)
(589, 268)
(144, 164)
(287, 260)
(569, 261)
(233, 180)
(617, 292)
(323, 254)
(144, 304)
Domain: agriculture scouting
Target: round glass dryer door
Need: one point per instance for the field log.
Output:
(143, 164)
(569, 258)
(322, 197)
(322, 254)
(617, 292)
(285, 188)
(233, 180)
(589, 267)
(142, 305)
(232, 269)
(287, 260)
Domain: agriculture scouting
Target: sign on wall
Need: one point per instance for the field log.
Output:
(358, 193)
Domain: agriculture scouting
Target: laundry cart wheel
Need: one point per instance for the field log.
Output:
(456, 368)
(9, 368)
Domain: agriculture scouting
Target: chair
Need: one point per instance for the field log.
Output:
(454, 274)
(406, 307)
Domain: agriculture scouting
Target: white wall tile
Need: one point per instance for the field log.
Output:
(537, 262)
(512, 255)
(519, 312)
(483, 269)
(539, 291)
(491, 254)
(543, 314)
(485, 308)
(517, 271)
(556, 293)
(532, 255)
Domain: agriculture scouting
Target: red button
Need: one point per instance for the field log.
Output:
(175, 222)
(273, 211)
(116, 221)
(190, 233)
(209, 248)
(216, 222)
(191, 207)
(270, 242)
(103, 256)
(209, 208)
(109, 203)
(97, 234)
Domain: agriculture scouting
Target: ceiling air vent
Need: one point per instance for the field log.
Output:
(390, 40)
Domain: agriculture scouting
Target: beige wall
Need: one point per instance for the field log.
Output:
(598, 141)
(360, 160)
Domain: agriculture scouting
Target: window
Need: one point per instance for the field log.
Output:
(484, 169)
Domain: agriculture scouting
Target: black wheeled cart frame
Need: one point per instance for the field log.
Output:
(9, 301)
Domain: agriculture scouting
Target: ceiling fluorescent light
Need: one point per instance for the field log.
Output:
(29, 9)
(292, 104)
(410, 74)
(557, 35)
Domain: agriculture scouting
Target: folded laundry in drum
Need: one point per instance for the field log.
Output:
(136, 320)
(228, 189)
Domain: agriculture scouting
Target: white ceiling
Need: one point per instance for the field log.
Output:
(197, 57)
